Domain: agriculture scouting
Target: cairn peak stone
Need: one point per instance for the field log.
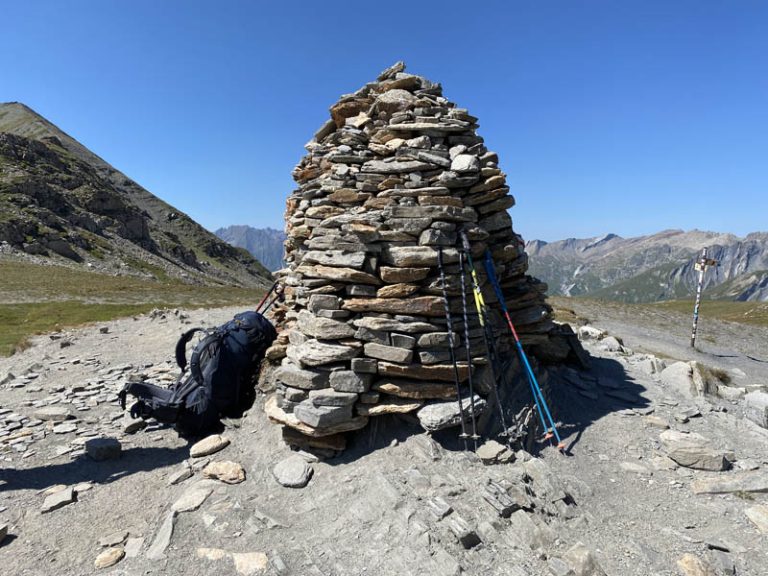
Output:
(392, 181)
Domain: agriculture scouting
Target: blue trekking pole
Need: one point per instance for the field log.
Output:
(538, 396)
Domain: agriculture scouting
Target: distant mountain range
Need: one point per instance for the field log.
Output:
(62, 203)
(265, 244)
(652, 268)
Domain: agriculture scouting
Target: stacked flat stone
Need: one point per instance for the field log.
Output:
(392, 177)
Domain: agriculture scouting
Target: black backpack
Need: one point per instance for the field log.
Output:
(218, 381)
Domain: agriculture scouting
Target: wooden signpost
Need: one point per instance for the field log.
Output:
(701, 265)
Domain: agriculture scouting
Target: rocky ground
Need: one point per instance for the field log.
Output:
(629, 497)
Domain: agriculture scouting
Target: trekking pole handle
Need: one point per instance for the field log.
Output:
(465, 241)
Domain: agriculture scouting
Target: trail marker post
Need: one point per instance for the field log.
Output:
(701, 265)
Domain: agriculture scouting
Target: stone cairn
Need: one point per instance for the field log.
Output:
(392, 177)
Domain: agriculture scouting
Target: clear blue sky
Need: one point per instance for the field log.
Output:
(608, 116)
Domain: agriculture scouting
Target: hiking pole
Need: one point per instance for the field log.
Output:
(472, 414)
(272, 289)
(482, 314)
(279, 295)
(538, 395)
(449, 321)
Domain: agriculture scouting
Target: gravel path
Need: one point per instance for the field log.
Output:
(396, 502)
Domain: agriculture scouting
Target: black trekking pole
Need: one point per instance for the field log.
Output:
(449, 321)
(538, 395)
(266, 296)
(472, 413)
(490, 346)
(279, 295)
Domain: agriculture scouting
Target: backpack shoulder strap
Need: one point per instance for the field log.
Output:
(194, 361)
(181, 347)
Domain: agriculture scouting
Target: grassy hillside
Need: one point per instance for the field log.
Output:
(38, 299)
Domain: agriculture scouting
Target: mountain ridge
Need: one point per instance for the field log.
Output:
(60, 201)
(265, 244)
(652, 267)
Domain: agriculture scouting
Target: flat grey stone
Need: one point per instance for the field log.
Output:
(133, 547)
(388, 353)
(440, 415)
(53, 413)
(64, 428)
(324, 328)
(322, 416)
(314, 353)
(330, 397)
(193, 497)
(293, 472)
(465, 163)
(756, 408)
(132, 425)
(162, 538)
(743, 482)
(59, 500)
(306, 379)
(693, 451)
(350, 381)
(583, 561)
(335, 258)
(319, 302)
(364, 366)
(103, 448)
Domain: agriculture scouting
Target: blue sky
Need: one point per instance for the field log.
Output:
(627, 117)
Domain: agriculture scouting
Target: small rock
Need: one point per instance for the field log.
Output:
(611, 344)
(693, 451)
(53, 413)
(756, 408)
(250, 563)
(693, 566)
(490, 451)
(212, 554)
(439, 415)
(162, 538)
(3, 532)
(113, 539)
(133, 547)
(209, 445)
(293, 472)
(583, 561)
(180, 475)
(657, 422)
(64, 428)
(103, 448)
(590, 333)
(759, 517)
(226, 471)
(193, 497)
(132, 425)
(59, 499)
(109, 557)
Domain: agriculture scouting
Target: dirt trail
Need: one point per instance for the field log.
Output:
(396, 502)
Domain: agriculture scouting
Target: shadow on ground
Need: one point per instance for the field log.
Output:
(580, 398)
(577, 398)
(84, 469)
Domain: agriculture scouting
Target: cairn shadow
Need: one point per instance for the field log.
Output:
(579, 398)
(83, 469)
